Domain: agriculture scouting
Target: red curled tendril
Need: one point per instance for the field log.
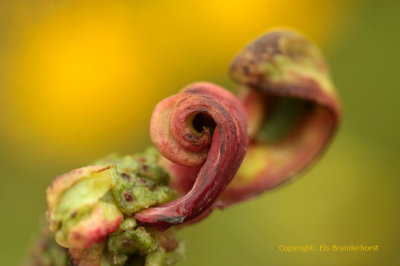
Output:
(203, 127)
(292, 114)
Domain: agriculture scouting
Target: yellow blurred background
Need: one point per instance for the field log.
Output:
(79, 79)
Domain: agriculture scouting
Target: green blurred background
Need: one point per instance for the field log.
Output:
(79, 79)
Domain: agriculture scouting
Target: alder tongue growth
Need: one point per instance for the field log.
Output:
(203, 125)
(292, 113)
(218, 150)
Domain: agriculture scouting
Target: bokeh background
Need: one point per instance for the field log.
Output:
(79, 79)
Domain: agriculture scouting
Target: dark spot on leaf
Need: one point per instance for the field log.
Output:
(103, 169)
(128, 196)
(143, 181)
(126, 176)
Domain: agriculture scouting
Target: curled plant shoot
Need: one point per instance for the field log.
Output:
(215, 149)
(203, 125)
